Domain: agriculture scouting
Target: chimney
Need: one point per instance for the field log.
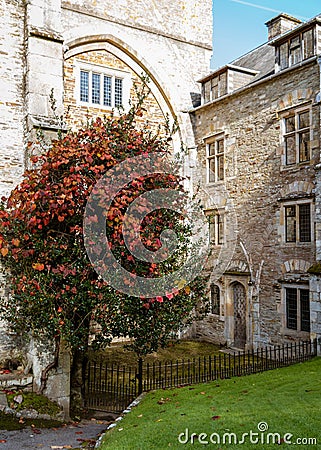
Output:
(281, 24)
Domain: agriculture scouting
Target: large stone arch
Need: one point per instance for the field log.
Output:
(138, 63)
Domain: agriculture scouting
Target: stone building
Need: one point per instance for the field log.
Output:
(257, 133)
(255, 137)
(91, 54)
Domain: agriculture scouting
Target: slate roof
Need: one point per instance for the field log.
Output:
(261, 59)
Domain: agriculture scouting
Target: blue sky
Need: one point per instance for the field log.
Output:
(239, 24)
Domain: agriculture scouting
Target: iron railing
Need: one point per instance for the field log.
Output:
(110, 387)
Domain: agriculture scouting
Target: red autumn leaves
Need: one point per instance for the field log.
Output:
(54, 287)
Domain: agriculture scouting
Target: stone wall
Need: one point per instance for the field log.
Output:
(171, 41)
(257, 182)
(189, 20)
(174, 57)
(12, 58)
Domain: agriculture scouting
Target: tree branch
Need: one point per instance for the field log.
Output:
(52, 365)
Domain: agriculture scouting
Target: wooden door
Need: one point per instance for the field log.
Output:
(239, 298)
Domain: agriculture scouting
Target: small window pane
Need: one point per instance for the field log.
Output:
(304, 146)
(211, 149)
(214, 88)
(290, 224)
(290, 124)
(304, 120)
(284, 56)
(222, 84)
(220, 146)
(211, 227)
(107, 91)
(84, 86)
(95, 91)
(290, 150)
(295, 56)
(118, 92)
(304, 223)
(211, 172)
(295, 50)
(220, 167)
(215, 299)
(207, 92)
(295, 42)
(220, 229)
(291, 308)
(305, 309)
(308, 44)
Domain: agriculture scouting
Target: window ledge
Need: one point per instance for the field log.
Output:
(117, 110)
(296, 334)
(216, 183)
(216, 316)
(296, 167)
(297, 244)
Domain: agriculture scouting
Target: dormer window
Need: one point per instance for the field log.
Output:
(224, 81)
(215, 87)
(296, 49)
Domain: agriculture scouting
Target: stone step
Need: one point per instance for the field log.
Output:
(15, 380)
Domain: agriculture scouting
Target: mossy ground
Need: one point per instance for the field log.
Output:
(33, 401)
(10, 422)
(40, 403)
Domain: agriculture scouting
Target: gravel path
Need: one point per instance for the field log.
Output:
(69, 436)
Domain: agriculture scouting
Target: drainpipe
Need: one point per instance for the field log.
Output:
(318, 179)
(315, 278)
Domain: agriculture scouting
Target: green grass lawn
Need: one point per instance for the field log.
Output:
(288, 400)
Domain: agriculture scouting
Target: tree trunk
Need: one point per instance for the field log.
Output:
(78, 373)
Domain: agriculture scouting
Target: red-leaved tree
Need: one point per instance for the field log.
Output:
(55, 292)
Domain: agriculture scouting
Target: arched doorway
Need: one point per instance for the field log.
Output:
(239, 301)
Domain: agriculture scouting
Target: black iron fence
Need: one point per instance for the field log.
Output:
(110, 387)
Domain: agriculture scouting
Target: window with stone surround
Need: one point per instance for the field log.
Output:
(215, 299)
(99, 86)
(296, 49)
(297, 137)
(297, 222)
(215, 226)
(297, 308)
(215, 160)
